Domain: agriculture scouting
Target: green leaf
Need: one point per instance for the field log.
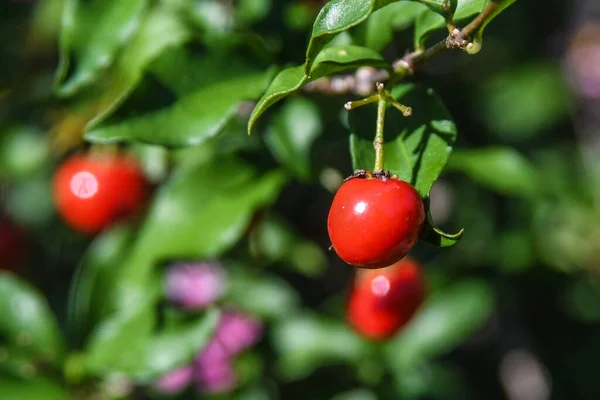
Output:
(447, 319)
(31, 389)
(92, 33)
(206, 209)
(94, 278)
(191, 120)
(16, 362)
(445, 8)
(501, 169)
(335, 17)
(184, 72)
(478, 36)
(520, 103)
(377, 32)
(430, 21)
(291, 141)
(435, 236)
(128, 346)
(306, 342)
(331, 60)
(276, 241)
(27, 320)
(160, 30)
(119, 340)
(262, 295)
(416, 147)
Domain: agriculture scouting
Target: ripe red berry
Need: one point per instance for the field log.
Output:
(382, 301)
(374, 222)
(93, 191)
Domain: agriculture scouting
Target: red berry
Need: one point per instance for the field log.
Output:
(93, 191)
(382, 301)
(374, 222)
(12, 246)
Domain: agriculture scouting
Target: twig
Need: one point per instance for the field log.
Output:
(363, 82)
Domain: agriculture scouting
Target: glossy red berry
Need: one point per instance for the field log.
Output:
(374, 222)
(382, 301)
(93, 191)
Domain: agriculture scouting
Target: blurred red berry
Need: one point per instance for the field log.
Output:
(93, 191)
(382, 301)
(12, 245)
(374, 222)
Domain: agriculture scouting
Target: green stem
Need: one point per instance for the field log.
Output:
(378, 142)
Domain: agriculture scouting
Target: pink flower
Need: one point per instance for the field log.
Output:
(219, 377)
(195, 286)
(238, 331)
(175, 381)
(214, 352)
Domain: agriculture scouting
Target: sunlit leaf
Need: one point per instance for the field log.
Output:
(416, 148)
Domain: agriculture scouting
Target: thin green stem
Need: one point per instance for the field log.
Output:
(378, 142)
(351, 105)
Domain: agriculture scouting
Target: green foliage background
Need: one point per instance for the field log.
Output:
(178, 83)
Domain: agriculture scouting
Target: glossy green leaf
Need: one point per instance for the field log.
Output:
(449, 317)
(92, 33)
(501, 169)
(93, 279)
(160, 30)
(430, 21)
(330, 61)
(416, 147)
(291, 141)
(31, 389)
(27, 320)
(306, 342)
(478, 36)
(335, 17)
(191, 120)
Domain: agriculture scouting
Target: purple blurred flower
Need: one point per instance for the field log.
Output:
(175, 381)
(237, 331)
(219, 377)
(195, 286)
(214, 352)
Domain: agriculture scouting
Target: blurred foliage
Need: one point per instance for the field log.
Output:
(179, 83)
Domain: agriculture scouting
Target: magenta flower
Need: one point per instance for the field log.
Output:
(195, 286)
(237, 331)
(218, 377)
(213, 368)
(213, 353)
(175, 381)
